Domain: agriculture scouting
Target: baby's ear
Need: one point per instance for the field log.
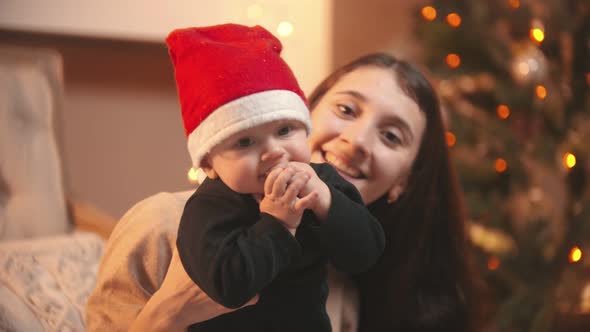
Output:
(206, 167)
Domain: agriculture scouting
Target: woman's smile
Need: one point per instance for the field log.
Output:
(343, 166)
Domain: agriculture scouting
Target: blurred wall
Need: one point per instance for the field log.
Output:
(361, 27)
(151, 20)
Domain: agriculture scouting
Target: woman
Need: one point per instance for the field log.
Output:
(386, 130)
(378, 122)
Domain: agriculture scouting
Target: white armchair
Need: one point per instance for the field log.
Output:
(50, 246)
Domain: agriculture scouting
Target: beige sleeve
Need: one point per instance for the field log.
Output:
(135, 261)
(343, 302)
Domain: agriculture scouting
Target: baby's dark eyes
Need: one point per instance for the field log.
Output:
(285, 130)
(245, 142)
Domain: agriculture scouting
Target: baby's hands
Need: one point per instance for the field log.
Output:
(317, 185)
(282, 196)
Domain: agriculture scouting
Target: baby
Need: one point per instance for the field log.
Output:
(264, 221)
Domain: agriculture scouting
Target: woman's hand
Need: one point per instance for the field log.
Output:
(178, 303)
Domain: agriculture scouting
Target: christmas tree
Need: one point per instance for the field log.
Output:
(514, 81)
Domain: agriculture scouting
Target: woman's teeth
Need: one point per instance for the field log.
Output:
(342, 166)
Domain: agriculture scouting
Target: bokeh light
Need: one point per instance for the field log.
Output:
(285, 29)
(537, 35)
(503, 111)
(453, 60)
(500, 165)
(429, 13)
(493, 263)
(454, 20)
(192, 175)
(575, 254)
(514, 3)
(569, 160)
(451, 138)
(541, 92)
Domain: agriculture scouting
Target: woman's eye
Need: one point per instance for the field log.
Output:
(345, 110)
(245, 142)
(391, 137)
(284, 130)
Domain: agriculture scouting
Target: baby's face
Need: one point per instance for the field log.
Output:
(244, 160)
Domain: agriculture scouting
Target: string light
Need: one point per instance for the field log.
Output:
(537, 34)
(575, 254)
(569, 160)
(454, 20)
(285, 29)
(503, 111)
(514, 3)
(540, 91)
(192, 175)
(493, 263)
(254, 11)
(453, 60)
(451, 138)
(500, 165)
(429, 13)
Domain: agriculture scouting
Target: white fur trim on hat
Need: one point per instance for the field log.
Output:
(243, 113)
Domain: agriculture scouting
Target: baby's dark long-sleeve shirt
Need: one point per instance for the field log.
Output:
(233, 252)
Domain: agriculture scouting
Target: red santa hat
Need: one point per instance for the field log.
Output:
(230, 78)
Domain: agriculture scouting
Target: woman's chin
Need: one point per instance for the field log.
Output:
(347, 177)
(317, 157)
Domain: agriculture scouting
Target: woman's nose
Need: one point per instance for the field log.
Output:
(359, 138)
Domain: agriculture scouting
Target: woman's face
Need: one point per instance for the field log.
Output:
(369, 130)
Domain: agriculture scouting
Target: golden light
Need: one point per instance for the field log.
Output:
(541, 92)
(493, 263)
(285, 29)
(454, 20)
(429, 13)
(569, 160)
(453, 60)
(575, 254)
(537, 35)
(588, 78)
(254, 11)
(500, 165)
(503, 111)
(193, 175)
(514, 3)
(523, 68)
(451, 138)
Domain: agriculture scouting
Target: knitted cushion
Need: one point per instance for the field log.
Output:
(45, 282)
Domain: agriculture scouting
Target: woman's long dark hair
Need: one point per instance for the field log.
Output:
(423, 281)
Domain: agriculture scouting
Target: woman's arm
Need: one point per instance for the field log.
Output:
(178, 303)
(140, 281)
